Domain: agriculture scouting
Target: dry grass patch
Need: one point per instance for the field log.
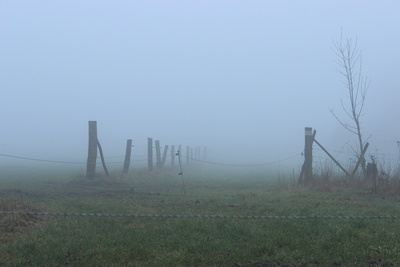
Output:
(11, 225)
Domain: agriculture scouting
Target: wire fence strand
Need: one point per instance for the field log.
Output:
(198, 216)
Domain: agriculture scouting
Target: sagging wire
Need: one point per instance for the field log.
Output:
(181, 173)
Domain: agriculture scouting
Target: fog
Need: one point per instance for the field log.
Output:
(242, 78)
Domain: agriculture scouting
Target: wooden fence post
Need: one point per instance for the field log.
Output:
(127, 161)
(150, 153)
(102, 159)
(92, 151)
(199, 153)
(187, 155)
(308, 155)
(172, 156)
(158, 154)
(164, 157)
(204, 153)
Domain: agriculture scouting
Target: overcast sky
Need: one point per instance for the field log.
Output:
(240, 77)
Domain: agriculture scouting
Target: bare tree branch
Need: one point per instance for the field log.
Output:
(349, 60)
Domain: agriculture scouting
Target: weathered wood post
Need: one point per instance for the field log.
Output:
(191, 155)
(172, 156)
(92, 151)
(196, 153)
(150, 153)
(164, 157)
(158, 154)
(199, 153)
(308, 155)
(187, 155)
(204, 153)
(127, 161)
(103, 162)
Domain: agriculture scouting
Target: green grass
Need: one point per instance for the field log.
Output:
(109, 241)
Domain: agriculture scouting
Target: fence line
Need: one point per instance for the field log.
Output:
(133, 161)
(42, 160)
(197, 216)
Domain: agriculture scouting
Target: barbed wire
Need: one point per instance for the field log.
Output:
(198, 216)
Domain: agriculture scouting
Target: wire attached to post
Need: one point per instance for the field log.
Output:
(181, 173)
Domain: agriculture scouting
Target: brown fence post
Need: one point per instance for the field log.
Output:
(204, 153)
(150, 153)
(199, 153)
(102, 159)
(172, 156)
(92, 151)
(127, 161)
(308, 155)
(164, 157)
(187, 155)
(158, 154)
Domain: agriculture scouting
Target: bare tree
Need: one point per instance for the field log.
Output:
(350, 66)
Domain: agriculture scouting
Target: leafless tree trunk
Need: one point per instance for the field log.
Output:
(350, 63)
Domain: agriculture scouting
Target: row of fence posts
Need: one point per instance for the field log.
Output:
(195, 154)
(306, 174)
(191, 154)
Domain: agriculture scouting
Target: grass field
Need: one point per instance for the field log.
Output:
(33, 240)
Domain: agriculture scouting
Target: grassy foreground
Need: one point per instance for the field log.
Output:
(31, 240)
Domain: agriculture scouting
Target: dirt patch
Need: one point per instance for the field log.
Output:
(12, 225)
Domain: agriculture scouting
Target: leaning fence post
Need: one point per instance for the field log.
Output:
(360, 159)
(158, 154)
(150, 153)
(127, 161)
(164, 157)
(102, 159)
(172, 155)
(92, 151)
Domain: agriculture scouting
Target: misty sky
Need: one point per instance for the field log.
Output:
(242, 77)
